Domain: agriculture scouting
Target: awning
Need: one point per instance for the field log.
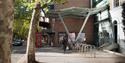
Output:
(75, 12)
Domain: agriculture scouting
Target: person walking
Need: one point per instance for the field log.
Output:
(64, 42)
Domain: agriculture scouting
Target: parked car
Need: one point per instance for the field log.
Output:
(17, 43)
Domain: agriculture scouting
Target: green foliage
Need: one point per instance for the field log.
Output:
(60, 1)
(23, 13)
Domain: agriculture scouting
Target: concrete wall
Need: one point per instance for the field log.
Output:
(111, 2)
(121, 1)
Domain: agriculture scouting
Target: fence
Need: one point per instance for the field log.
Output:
(85, 49)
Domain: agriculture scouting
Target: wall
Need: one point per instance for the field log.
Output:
(111, 2)
(74, 3)
(116, 15)
(121, 1)
(74, 25)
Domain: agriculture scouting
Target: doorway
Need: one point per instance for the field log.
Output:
(115, 31)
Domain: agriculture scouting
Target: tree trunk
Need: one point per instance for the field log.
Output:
(6, 21)
(31, 36)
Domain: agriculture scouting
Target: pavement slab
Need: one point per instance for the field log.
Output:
(50, 56)
(57, 55)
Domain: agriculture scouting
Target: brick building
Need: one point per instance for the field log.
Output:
(73, 22)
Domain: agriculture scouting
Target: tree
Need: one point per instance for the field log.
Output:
(23, 12)
(32, 30)
(31, 36)
(6, 21)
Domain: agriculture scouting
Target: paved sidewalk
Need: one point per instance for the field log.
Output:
(16, 57)
(55, 55)
(18, 52)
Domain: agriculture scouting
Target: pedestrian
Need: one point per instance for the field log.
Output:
(64, 42)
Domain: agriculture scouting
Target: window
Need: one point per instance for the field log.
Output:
(116, 3)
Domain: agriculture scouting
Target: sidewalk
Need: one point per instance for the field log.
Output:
(115, 53)
(55, 55)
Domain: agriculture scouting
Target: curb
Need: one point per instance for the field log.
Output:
(119, 54)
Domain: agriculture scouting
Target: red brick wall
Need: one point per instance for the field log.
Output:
(74, 25)
(74, 3)
(89, 30)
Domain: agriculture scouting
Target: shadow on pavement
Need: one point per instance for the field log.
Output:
(53, 50)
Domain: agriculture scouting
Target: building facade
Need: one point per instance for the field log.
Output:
(116, 14)
(110, 24)
(103, 22)
(73, 23)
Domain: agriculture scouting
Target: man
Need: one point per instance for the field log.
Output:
(64, 42)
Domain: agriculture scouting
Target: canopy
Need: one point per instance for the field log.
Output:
(75, 11)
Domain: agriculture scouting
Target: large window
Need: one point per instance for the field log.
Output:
(116, 3)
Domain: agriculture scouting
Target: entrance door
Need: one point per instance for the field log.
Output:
(115, 31)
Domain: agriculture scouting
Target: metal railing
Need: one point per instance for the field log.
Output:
(85, 49)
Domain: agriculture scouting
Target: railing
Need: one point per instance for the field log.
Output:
(85, 49)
